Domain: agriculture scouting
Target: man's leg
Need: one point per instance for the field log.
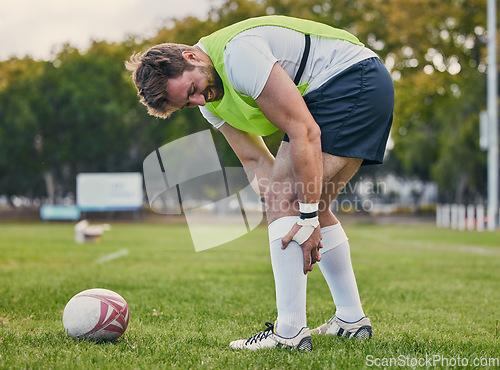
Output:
(282, 213)
(336, 263)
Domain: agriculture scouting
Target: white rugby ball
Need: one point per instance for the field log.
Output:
(96, 314)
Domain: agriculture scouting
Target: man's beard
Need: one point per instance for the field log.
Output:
(214, 82)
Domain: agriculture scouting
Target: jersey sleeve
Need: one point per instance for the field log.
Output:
(214, 120)
(248, 61)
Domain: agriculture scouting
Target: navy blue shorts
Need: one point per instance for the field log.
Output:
(354, 110)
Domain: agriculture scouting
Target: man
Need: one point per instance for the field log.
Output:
(334, 100)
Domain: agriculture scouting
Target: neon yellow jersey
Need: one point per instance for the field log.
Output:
(241, 111)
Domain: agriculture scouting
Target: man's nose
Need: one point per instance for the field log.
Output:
(197, 99)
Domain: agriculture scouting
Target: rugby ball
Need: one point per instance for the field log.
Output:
(96, 314)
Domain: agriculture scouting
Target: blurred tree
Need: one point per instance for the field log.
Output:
(436, 52)
(80, 112)
(74, 114)
(19, 165)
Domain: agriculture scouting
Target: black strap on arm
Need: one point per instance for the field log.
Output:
(303, 61)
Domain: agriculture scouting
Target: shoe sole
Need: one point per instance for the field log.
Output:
(363, 333)
(305, 344)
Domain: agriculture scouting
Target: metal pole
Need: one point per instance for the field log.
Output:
(492, 116)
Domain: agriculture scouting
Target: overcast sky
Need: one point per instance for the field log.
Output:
(39, 27)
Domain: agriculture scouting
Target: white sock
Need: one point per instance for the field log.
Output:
(289, 279)
(337, 269)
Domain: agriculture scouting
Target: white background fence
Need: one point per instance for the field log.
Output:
(461, 217)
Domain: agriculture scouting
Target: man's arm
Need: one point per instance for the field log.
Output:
(282, 104)
(253, 154)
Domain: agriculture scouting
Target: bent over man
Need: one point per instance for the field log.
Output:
(334, 100)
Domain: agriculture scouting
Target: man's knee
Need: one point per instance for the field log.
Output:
(281, 201)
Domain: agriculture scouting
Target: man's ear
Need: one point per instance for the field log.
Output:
(190, 56)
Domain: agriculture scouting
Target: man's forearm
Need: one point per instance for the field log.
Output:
(307, 168)
(253, 154)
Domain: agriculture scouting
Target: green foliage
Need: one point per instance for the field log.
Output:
(75, 114)
(18, 124)
(79, 112)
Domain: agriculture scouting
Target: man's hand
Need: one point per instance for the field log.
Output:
(310, 248)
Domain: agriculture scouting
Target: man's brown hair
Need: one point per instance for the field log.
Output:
(151, 72)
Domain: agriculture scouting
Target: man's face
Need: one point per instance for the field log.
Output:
(196, 87)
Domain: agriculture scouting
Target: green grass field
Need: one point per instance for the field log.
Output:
(428, 292)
